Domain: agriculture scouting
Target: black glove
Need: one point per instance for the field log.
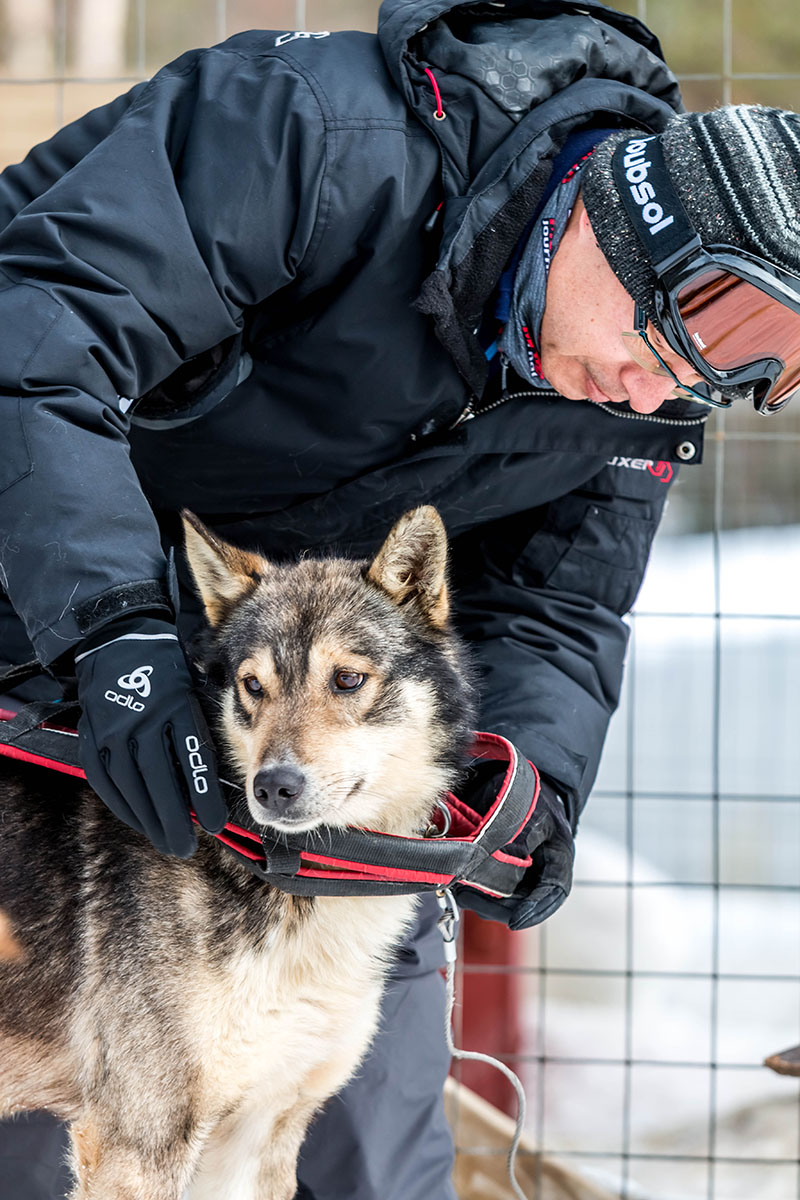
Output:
(545, 885)
(144, 744)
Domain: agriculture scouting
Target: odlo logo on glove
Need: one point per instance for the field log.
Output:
(196, 763)
(137, 681)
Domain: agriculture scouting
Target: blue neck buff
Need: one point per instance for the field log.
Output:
(523, 285)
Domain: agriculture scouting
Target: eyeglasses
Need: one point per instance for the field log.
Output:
(644, 354)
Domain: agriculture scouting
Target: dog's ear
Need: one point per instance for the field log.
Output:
(411, 565)
(222, 572)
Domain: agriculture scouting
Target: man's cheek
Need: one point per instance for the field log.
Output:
(565, 375)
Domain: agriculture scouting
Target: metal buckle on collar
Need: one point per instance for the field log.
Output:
(433, 830)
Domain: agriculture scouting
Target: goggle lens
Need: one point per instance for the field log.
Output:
(733, 323)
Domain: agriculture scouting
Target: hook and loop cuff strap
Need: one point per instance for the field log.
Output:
(124, 600)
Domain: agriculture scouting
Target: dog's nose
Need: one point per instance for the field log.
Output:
(277, 788)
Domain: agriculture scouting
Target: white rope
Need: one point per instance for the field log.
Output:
(448, 924)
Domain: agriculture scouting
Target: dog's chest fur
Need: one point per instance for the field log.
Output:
(296, 1004)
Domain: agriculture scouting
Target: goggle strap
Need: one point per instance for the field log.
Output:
(653, 206)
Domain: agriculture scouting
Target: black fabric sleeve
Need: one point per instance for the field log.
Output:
(200, 199)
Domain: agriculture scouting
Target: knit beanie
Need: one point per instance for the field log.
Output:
(737, 172)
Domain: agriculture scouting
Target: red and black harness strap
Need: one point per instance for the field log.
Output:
(478, 849)
(25, 731)
(27, 735)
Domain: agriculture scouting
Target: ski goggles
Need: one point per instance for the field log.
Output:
(734, 317)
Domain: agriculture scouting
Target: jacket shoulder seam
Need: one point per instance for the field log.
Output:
(329, 127)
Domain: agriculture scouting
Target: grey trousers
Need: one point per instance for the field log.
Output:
(384, 1137)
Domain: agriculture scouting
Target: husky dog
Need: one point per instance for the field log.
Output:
(185, 1018)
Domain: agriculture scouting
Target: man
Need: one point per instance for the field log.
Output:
(300, 283)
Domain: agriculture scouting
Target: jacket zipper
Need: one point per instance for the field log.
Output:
(631, 416)
(470, 412)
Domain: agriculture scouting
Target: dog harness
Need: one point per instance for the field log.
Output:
(472, 843)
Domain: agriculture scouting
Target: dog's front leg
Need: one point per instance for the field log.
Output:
(252, 1154)
(277, 1177)
(107, 1169)
(231, 1160)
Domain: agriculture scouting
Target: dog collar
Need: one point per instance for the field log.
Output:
(476, 849)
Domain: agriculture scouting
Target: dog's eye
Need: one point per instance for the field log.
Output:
(346, 681)
(252, 685)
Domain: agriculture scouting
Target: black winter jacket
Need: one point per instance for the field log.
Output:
(228, 290)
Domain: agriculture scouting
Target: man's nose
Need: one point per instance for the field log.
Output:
(647, 391)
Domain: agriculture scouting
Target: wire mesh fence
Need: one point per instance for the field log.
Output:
(640, 1014)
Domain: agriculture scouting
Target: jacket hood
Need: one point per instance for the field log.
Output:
(496, 62)
(515, 79)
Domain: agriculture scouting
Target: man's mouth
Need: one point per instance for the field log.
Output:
(596, 394)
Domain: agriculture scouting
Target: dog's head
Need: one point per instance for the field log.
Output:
(338, 688)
